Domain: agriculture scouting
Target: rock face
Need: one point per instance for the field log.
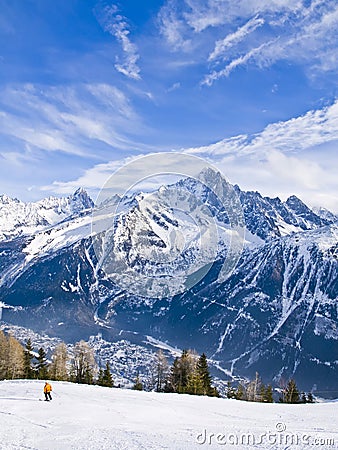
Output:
(275, 314)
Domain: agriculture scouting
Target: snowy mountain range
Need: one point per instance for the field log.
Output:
(276, 312)
(17, 217)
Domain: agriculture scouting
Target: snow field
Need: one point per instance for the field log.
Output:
(93, 417)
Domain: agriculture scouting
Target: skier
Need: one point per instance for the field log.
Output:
(47, 391)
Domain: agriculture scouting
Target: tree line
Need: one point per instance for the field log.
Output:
(188, 374)
(18, 361)
(256, 391)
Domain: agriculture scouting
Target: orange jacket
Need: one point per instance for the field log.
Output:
(47, 388)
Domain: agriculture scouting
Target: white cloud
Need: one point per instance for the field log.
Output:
(174, 87)
(312, 129)
(117, 26)
(313, 44)
(92, 179)
(293, 32)
(222, 45)
(43, 136)
(214, 13)
(201, 15)
(112, 97)
(79, 120)
(148, 171)
(261, 54)
(293, 157)
(173, 28)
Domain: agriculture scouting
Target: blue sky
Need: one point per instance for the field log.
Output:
(250, 85)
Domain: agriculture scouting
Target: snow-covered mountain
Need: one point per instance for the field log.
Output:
(17, 217)
(325, 214)
(275, 313)
(271, 218)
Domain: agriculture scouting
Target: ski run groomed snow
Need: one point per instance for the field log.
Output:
(93, 417)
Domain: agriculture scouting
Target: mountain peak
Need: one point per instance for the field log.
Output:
(293, 200)
(6, 200)
(80, 191)
(304, 213)
(325, 214)
(80, 200)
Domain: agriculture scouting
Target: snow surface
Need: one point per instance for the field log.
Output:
(93, 417)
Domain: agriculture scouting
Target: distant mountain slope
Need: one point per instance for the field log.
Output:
(276, 313)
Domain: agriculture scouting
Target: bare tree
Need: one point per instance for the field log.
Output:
(254, 390)
(16, 360)
(161, 371)
(58, 368)
(83, 366)
(3, 355)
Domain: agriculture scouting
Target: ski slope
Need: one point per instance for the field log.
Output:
(93, 417)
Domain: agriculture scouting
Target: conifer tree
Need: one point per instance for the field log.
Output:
(214, 392)
(100, 377)
(291, 393)
(203, 371)
(28, 357)
(182, 368)
(194, 383)
(138, 386)
(240, 393)
(41, 366)
(268, 395)
(58, 368)
(107, 378)
(231, 393)
(174, 377)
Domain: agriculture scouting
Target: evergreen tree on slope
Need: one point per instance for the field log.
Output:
(28, 357)
(41, 366)
(107, 378)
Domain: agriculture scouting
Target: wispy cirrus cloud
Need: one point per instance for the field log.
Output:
(292, 32)
(117, 25)
(222, 45)
(313, 42)
(217, 13)
(262, 55)
(74, 119)
(198, 15)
